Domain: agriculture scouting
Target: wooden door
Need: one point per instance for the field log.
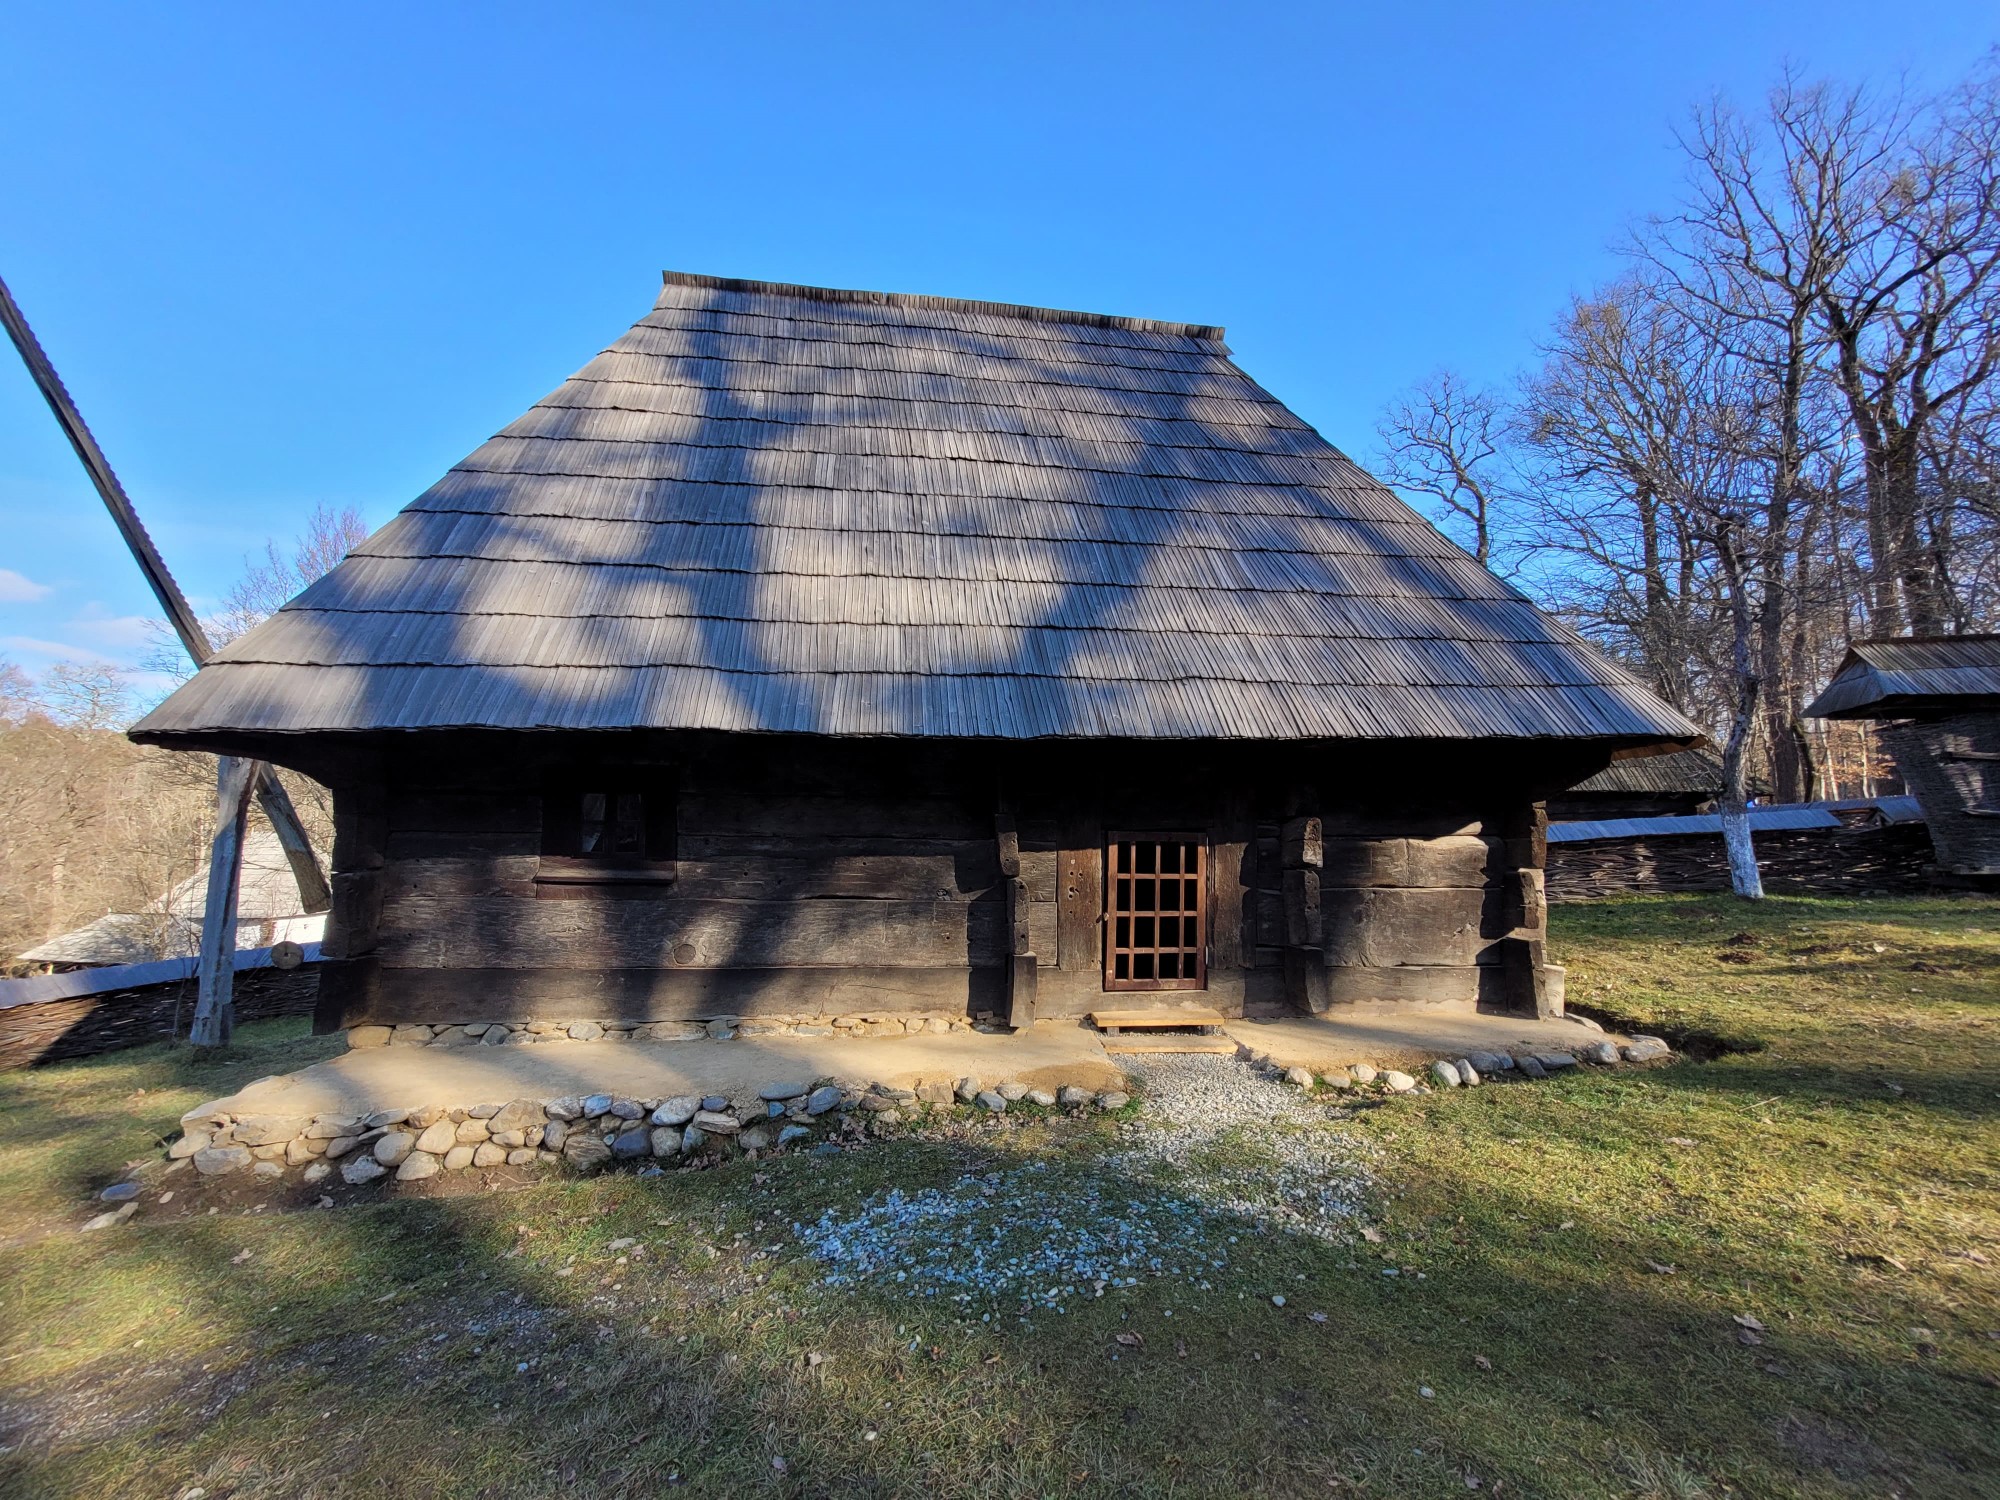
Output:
(1156, 911)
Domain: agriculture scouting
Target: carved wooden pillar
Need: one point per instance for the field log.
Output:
(1021, 978)
(1301, 854)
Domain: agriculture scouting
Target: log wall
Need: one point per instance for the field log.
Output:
(844, 876)
(1952, 767)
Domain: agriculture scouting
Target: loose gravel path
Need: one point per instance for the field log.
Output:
(1216, 1153)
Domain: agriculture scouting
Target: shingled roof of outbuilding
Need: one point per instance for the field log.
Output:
(1697, 769)
(790, 509)
(1905, 675)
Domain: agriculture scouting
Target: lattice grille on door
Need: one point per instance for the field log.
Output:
(1156, 912)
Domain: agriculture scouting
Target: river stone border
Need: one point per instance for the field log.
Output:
(1469, 1071)
(587, 1132)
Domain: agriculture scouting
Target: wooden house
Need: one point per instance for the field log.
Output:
(1937, 700)
(819, 651)
(1677, 784)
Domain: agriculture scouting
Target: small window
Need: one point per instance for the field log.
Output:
(607, 827)
(1156, 912)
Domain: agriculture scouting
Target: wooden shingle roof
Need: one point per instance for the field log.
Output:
(1894, 678)
(788, 509)
(1698, 769)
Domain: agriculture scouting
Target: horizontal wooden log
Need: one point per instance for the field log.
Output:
(364, 991)
(1456, 862)
(439, 811)
(808, 817)
(1383, 928)
(1455, 985)
(1417, 822)
(502, 932)
(881, 877)
(495, 843)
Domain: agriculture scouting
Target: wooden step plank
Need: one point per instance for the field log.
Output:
(1111, 1022)
(1119, 1046)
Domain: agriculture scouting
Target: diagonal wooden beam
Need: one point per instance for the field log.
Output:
(218, 922)
(271, 795)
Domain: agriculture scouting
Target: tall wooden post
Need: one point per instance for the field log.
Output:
(215, 1006)
(1300, 852)
(1022, 977)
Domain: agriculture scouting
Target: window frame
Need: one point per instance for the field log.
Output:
(1202, 913)
(564, 865)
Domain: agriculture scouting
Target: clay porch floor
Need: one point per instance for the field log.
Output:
(1050, 1055)
(1401, 1038)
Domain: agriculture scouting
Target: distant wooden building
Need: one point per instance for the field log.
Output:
(268, 910)
(821, 651)
(1937, 700)
(1677, 784)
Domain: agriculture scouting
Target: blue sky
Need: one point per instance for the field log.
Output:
(286, 255)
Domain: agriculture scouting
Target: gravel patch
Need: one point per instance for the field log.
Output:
(1216, 1154)
(1245, 1145)
(1039, 1235)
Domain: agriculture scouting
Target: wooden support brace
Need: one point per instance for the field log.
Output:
(215, 1010)
(315, 895)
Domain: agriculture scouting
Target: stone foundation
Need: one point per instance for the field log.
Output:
(722, 1028)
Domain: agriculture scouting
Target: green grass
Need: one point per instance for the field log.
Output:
(1839, 1183)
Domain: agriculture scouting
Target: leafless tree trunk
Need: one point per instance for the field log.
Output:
(1445, 440)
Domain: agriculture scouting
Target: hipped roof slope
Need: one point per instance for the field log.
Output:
(1888, 679)
(789, 509)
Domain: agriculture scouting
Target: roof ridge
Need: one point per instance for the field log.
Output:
(1209, 332)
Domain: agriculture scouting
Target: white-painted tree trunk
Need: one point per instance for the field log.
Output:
(215, 1007)
(1745, 879)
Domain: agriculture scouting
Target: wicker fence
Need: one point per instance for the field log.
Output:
(1795, 862)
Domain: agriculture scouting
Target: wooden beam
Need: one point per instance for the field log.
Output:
(1080, 894)
(214, 1009)
(1007, 843)
(1022, 976)
(314, 894)
(180, 614)
(1301, 851)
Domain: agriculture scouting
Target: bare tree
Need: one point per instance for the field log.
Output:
(83, 695)
(1445, 439)
(1613, 418)
(1910, 312)
(1780, 431)
(267, 585)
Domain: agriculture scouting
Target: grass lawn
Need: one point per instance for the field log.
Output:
(1575, 1261)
